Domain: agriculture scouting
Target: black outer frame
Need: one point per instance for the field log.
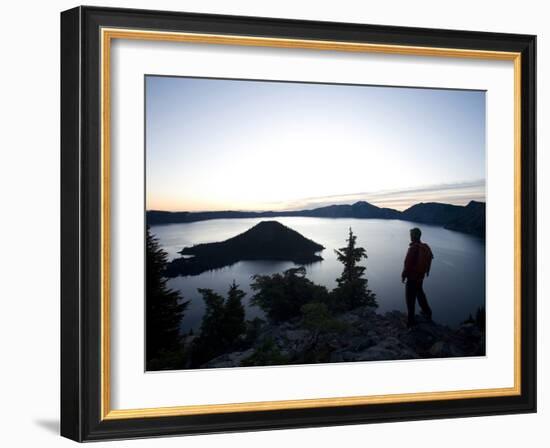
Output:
(80, 223)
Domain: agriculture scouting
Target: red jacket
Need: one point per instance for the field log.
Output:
(418, 261)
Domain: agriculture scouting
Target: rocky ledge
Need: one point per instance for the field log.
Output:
(358, 335)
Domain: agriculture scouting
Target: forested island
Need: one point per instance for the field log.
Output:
(467, 219)
(267, 240)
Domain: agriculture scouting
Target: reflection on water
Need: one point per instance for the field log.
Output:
(455, 288)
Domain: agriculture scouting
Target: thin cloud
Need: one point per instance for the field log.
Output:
(459, 193)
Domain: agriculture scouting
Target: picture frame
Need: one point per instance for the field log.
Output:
(86, 209)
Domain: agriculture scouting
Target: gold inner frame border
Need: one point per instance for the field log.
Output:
(107, 35)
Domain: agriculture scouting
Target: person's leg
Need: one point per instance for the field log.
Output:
(423, 302)
(410, 295)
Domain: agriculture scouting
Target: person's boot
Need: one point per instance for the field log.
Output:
(427, 316)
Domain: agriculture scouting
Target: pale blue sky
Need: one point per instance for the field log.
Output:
(216, 144)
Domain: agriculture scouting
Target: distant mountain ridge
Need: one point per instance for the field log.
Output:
(467, 219)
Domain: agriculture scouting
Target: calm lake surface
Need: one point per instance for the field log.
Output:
(455, 287)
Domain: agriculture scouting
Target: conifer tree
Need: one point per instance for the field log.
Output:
(164, 309)
(234, 324)
(282, 295)
(352, 290)
(222, 324)
(210, 344)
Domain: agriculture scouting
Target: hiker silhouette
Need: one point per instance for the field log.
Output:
(418, 262)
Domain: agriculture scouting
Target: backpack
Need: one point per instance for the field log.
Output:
(424, 260)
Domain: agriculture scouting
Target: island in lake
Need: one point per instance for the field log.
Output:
(268, 240)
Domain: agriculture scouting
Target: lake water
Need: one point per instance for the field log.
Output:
(455, 287)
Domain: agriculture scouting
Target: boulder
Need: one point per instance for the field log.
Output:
(232, 359)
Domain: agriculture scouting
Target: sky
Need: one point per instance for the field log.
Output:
(217, 144)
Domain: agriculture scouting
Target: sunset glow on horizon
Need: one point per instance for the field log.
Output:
(257, 145)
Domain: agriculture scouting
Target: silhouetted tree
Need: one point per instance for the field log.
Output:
(480, 318)
(321, 326)
(234, 324)
(209, 344)
(253, 330)
(281, 296)
(352, 290)
(319, 320)
(164, 310)
(222, 324)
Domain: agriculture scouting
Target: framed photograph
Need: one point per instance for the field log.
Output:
(272, 223)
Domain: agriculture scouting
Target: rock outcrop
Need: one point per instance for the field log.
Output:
(361, 335)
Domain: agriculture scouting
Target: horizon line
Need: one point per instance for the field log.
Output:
(307, 209)
(454, 193)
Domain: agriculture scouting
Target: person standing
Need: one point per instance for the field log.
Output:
(418, 262)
